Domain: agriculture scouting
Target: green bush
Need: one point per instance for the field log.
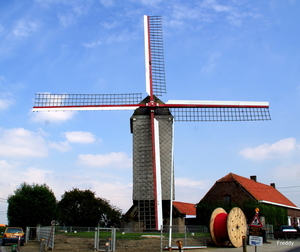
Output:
(274, 215)
(2, 229)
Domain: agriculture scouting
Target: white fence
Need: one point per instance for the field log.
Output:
(105, 238)
(45, 234)
(269, 231)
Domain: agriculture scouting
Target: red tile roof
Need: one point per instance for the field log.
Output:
(258, 190)
(185, 208)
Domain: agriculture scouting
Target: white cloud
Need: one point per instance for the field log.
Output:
(190, 190)
(6, 166)
(267, 151)
(182, 12)
(38, 176)
(209, 11)
(5, 100)
(75, 9)
(231, 12)
(150, 2)
(2, 80)
(293, 174)
(60, 146)
(21, 143)
(73, 137)
(117, 190)
(110, 25)
(51, 116)
(82, 8)
(121, 37)
(114, 159)
(93, 44)
(218, 7)
(9, 180)
(107, 3)
(187, 182)
(24, 28)
(66, 19)
(79, 137)
(119, 194)
(210, 66)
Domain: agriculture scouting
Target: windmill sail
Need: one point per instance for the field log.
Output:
(158, 198)
(197, 111)
(155, 84)
(154, 56)
(55, 102)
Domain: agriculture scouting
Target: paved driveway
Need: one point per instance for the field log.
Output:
(4, 249)
(274, 246)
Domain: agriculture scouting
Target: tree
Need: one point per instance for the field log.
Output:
(31, 205)
(83, 208)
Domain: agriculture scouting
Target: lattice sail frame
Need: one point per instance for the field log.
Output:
(182, 110)
(85, 101)
(154, 56)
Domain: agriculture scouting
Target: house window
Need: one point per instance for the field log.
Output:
(227, 199)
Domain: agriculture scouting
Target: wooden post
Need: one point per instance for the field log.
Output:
(244, 244)
(179, 244)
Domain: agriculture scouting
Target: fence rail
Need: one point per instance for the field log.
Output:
(127, 238)
(47, 234)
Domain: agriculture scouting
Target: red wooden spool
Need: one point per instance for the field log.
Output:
(226, 229)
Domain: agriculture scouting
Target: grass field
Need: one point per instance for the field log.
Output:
(129, 236)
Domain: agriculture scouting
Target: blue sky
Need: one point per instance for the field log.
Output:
(214, 50)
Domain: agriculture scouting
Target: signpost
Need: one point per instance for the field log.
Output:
(255, 231)
(255, 240)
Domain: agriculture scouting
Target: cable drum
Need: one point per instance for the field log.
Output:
(226, 229)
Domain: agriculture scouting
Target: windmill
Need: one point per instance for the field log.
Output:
(152, 125)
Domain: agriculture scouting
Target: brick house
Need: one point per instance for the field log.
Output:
(235, 189)
(187, 212)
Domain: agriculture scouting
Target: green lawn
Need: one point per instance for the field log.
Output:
(119, 235)
(126, 236)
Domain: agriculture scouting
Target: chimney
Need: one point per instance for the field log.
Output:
(272, 184)
(253, 178)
